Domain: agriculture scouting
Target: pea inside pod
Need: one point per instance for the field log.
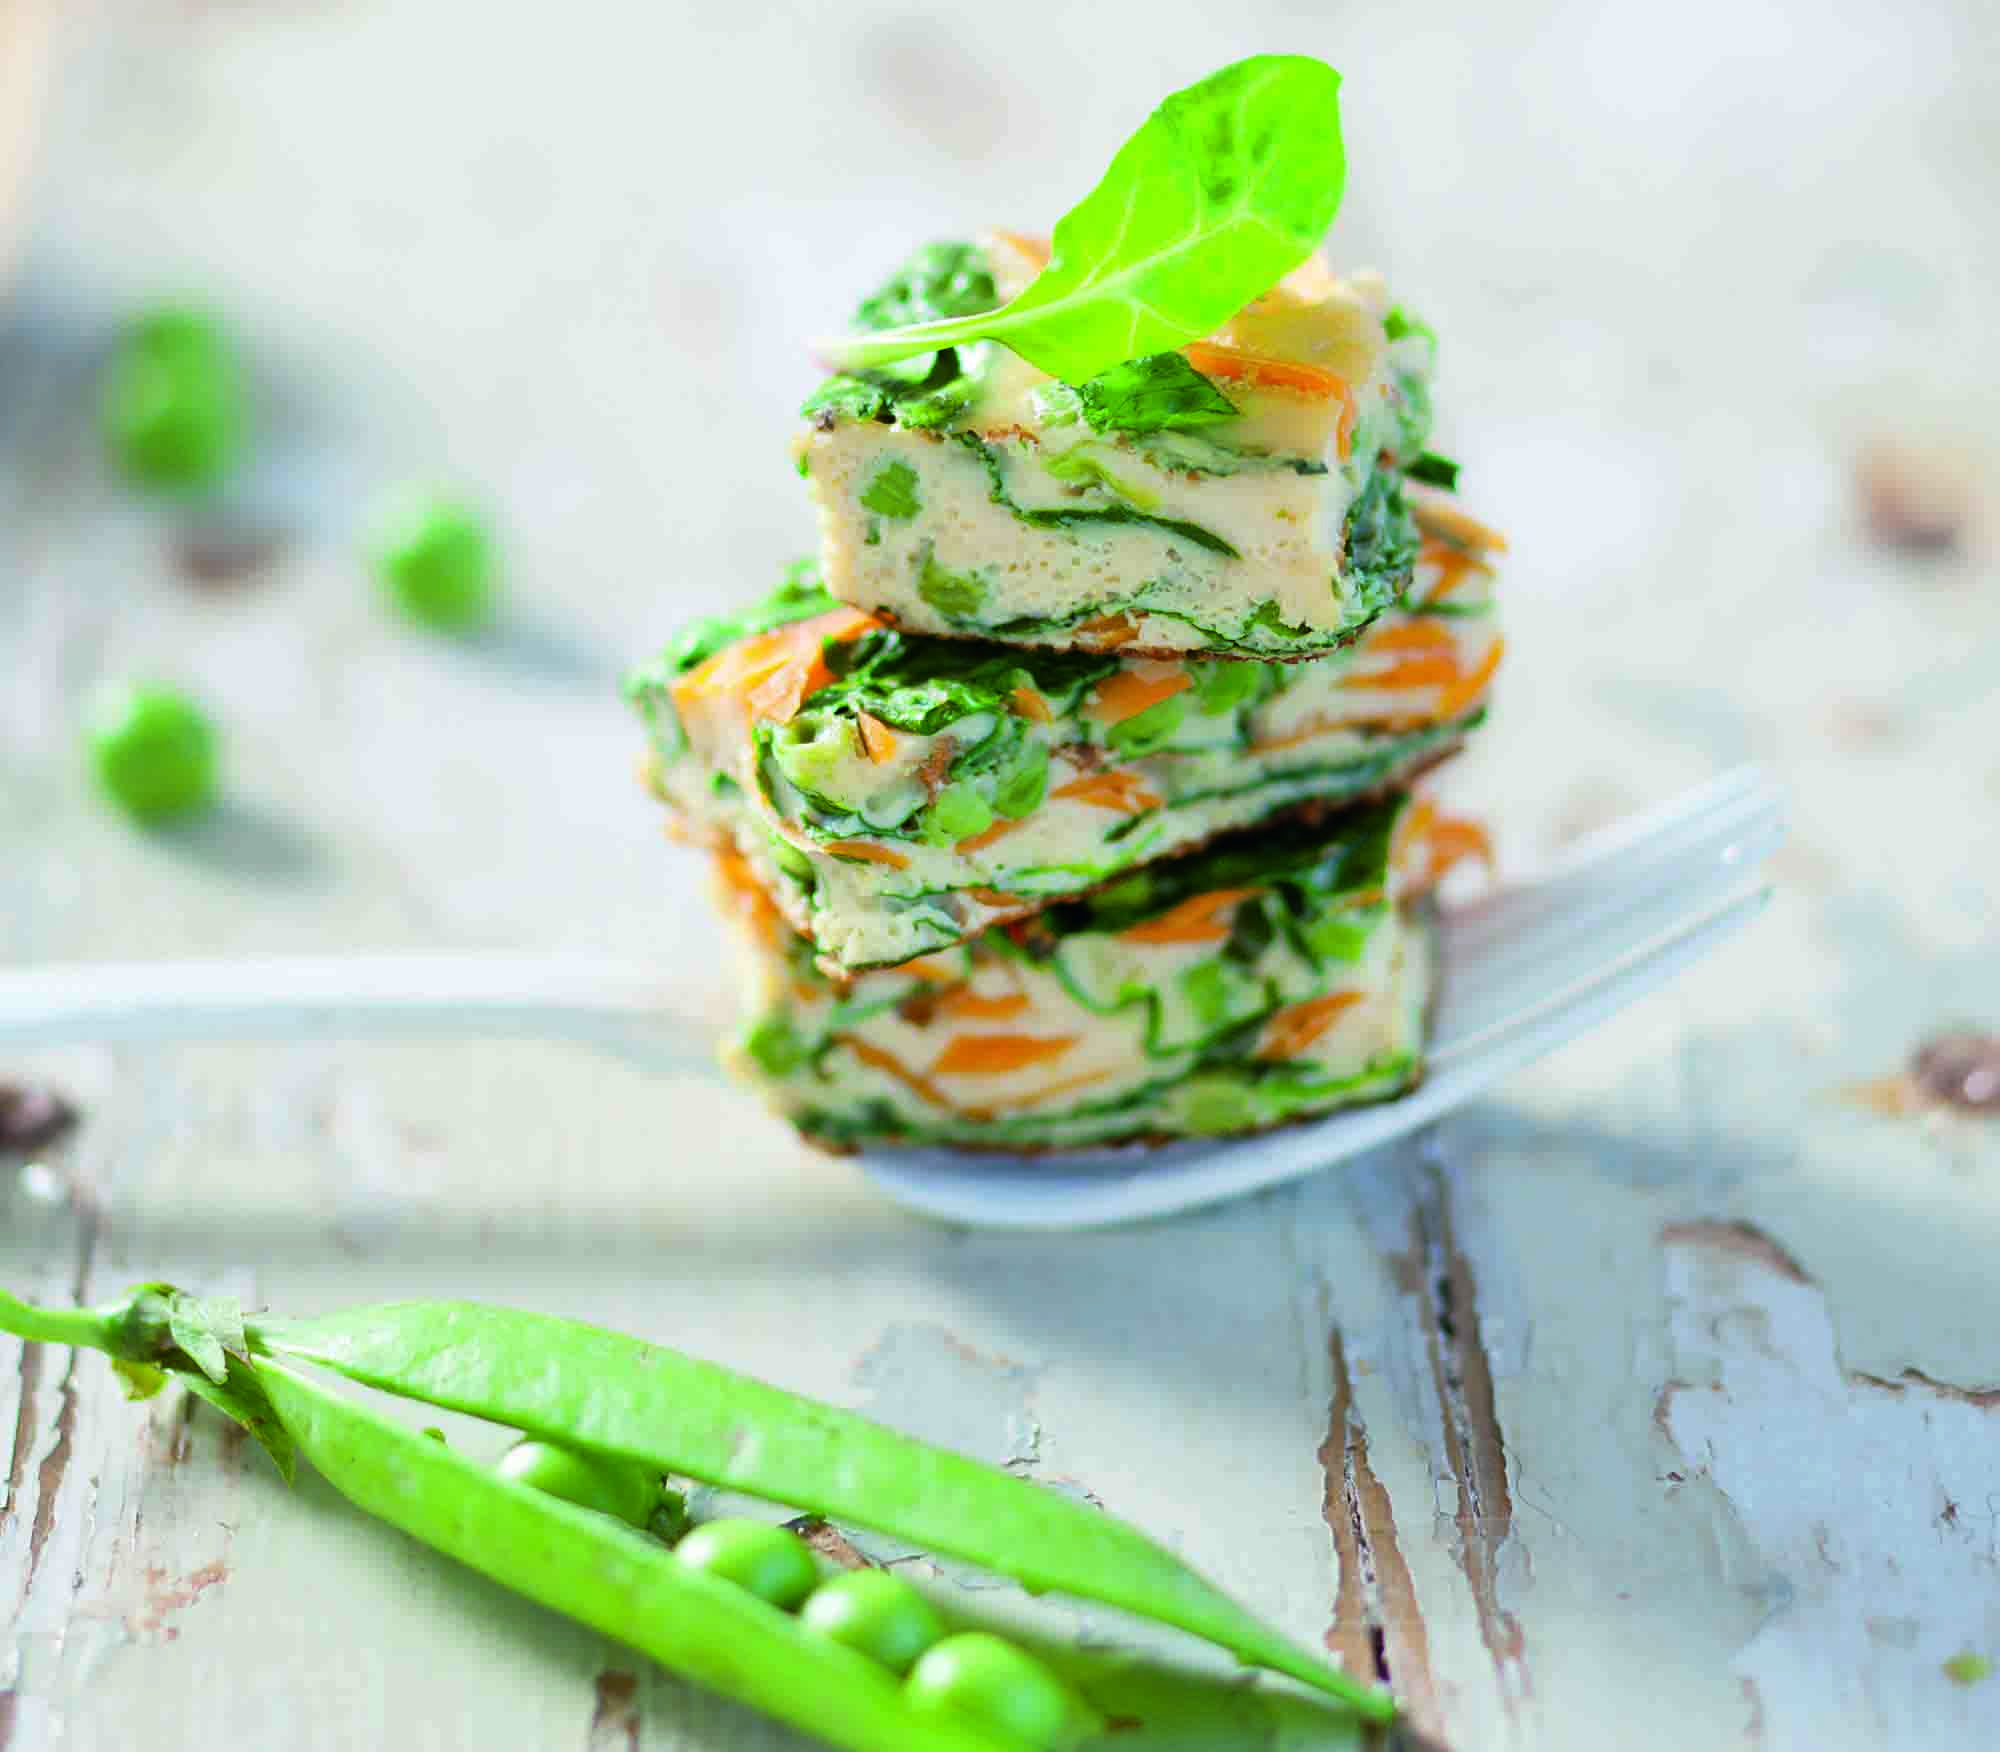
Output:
(623, 1491)
(770, 1562)
(988, 1680)
(876, 1614)
(582, 1564)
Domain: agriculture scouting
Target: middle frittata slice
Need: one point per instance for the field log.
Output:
(897, 793)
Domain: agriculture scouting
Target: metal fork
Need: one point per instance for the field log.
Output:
(1524, 970)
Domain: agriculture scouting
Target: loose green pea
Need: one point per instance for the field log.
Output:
(773, 1564)
(876, 1614)
(980, 1676)
(172, 404)
(153, 750)
(625, 1492)
(435, 560)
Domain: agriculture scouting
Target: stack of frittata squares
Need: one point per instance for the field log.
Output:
(1066, 799)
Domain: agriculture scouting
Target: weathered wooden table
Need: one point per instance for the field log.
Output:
(1649, 1404)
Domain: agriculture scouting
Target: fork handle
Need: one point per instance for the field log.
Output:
(299, 997)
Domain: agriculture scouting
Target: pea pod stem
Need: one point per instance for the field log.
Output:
(91, 1328)
(592, 1570)
(569, 1382)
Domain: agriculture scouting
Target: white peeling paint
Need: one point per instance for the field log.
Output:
(1870, 1505)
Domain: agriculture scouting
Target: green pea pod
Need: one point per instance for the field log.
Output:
(582, 1385)
(587, 1567)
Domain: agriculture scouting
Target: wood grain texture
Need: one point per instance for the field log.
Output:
(1650, 1403)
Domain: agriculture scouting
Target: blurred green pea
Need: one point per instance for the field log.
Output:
(172, 405)
(153, 750)
(435, 560)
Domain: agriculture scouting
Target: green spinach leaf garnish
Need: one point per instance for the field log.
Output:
(1224, 189)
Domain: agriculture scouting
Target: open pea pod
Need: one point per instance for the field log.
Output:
(568, 1382)
(593, 1570)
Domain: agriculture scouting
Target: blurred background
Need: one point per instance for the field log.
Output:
(1714, 285)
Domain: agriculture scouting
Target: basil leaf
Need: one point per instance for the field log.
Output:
(1160, 393)
(1225, 188)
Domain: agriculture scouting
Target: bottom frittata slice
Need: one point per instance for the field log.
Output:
(1272, 975)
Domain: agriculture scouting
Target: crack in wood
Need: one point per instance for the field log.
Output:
(832, 1544)
(49, 1476)
(1747, 1244)
(1437, 1275)
(1737, 1240)
(28, 1375)
(614, 1711)
(55, 1463)
(1663, 1406)
(1979, 1398)
(1753, 1728)
(1378, 1624)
